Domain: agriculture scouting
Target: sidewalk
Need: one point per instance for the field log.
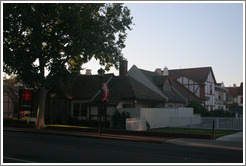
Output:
(232, 142)
(237, 137)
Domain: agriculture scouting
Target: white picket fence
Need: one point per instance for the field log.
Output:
(220, 123)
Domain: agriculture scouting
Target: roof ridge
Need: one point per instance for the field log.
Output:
(208, 67)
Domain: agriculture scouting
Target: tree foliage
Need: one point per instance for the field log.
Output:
(60, 38)
(41, 37)
(198, 108)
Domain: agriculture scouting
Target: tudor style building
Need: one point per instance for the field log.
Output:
(191, 85)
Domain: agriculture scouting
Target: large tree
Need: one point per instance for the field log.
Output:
(40, 39)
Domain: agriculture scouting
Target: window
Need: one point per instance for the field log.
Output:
(83, 110)
(211, 89)
(127, 106)
(219, 97)
(104, 110)
(76, 109)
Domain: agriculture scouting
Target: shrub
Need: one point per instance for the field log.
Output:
(14, 121)
(119, 119)
(87, 123)
(198, 108)
(219, 113)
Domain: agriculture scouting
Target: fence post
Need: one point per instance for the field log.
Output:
(212, 134)
(217, 122)
(191, 123)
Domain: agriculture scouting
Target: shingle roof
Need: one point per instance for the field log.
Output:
(185, 93)
(143, 93)
(87, 86)
(235, 91)
(120, 89)
(160, 80)
(197, 74)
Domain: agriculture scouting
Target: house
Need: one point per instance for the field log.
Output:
(220, 96)
(189, 85)
(235, 99)
(235, 95)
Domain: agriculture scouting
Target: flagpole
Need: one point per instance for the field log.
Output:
(100, 74)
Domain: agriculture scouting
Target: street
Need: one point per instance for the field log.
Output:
(19, 147)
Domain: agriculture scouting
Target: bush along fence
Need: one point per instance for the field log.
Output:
(220, 123)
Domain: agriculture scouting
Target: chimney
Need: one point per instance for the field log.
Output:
(158, 71)
(88, 72)
(234, 85)
(165, 72)
(123, 68)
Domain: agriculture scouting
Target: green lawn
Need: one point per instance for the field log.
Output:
(218, 133)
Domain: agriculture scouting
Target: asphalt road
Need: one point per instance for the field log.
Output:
(19, 147)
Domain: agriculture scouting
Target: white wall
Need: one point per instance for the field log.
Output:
(160, 117)
(210, 82)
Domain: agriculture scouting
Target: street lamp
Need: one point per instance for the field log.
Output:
(100, 74)
(52, 96)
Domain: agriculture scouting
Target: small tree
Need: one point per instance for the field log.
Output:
(198, 108)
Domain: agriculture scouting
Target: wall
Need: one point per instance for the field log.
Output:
(134, 112)
(159, 117)
(211, 102)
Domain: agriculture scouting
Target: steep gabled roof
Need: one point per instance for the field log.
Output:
(184, 93)
(144, 93)
(145, 79)
(157, 81)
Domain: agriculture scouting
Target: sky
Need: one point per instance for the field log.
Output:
(185, 35)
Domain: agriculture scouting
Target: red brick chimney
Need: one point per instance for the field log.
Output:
(123, 68)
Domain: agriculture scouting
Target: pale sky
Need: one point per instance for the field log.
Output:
(186, 35)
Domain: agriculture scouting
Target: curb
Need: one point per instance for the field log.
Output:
(133, 133)
(89, 135)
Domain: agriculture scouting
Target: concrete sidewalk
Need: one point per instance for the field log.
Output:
(233, 142)
(237, 137)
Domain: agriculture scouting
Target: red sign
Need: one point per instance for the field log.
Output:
(26, 95)
(105, 92)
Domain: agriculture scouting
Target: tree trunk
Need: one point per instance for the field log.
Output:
(41, 108)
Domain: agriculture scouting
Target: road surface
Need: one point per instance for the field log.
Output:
(19, 147)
